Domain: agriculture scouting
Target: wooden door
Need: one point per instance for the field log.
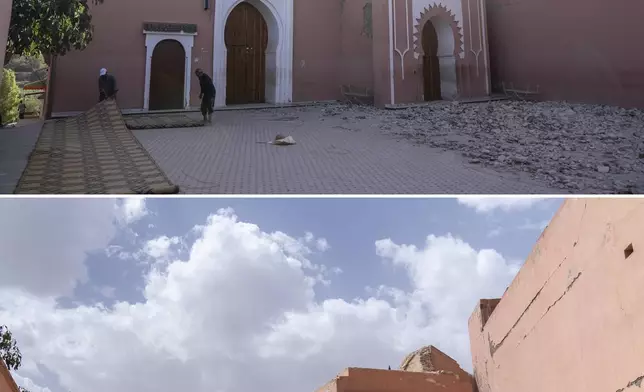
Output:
(431, 66)
(246, 38)
(167, 76)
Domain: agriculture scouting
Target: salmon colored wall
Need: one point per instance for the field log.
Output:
(356, 61)
(122, 51)
(376, 380)
(573, 317)
(7, 384)
(578, 50)
(442, 361)
(381, 75)
(316, 49)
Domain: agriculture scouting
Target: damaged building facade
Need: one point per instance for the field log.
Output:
(279, 51)
(573, 317)
(571, 320)
(424, 370)
(371, 51)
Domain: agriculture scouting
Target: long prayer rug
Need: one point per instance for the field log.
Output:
(92, 153)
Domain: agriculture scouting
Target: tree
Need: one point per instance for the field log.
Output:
(9, 351)
(9, 97)
(49, 27)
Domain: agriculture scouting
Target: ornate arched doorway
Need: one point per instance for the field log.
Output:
(431, 64)
(167, 76)
(246, 39)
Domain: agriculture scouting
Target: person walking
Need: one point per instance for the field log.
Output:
(106, 86)
(22, 108)
(207, 95)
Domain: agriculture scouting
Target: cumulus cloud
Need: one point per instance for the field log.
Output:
(506, 204)
(161, 248)
(321, 244)
(132, 209)
(240, 313)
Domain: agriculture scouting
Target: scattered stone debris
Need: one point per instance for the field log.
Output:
(574, 147)
(579, 148)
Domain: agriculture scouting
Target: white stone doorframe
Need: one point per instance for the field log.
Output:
(278, 15)
(152, 38)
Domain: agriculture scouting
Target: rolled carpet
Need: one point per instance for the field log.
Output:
(92, 153)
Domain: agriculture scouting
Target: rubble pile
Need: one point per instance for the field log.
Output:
(580, 148)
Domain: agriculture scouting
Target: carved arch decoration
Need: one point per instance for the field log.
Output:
(438, 11)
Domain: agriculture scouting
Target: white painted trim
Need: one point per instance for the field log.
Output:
(475, 52)
(408, 48)
(278, 15)
(453, 6)
(152, 39)
(486, 60)
(392, 99)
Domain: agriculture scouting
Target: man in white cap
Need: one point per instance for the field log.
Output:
(106, 85)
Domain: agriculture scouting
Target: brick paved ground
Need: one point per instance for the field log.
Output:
(332, 156)
(15, 146)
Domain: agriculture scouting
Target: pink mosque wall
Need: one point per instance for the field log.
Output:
(577, 50)
(573, 317)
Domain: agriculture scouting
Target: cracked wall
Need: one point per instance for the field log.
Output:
(570, 319)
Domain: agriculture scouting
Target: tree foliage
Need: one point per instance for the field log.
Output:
(50, 27)
(33, 105)
(9, 351)
(9, 100)
(26, 64)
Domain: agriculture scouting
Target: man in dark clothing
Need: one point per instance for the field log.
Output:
(106, 86)
(207, 95)
(22, 108)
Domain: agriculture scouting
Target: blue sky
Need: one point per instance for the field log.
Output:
(305, 280)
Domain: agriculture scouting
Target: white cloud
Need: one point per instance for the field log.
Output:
(507, 204)
(160, 248)
(322, 245)
(240, 314)
(28, 384)
(44, 242)
(132, 209)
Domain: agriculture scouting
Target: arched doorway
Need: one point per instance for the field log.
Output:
(431, 63)
(167, 76)
(246, 39)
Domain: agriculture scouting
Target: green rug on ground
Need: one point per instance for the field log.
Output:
(163, 120)
(92, 153)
